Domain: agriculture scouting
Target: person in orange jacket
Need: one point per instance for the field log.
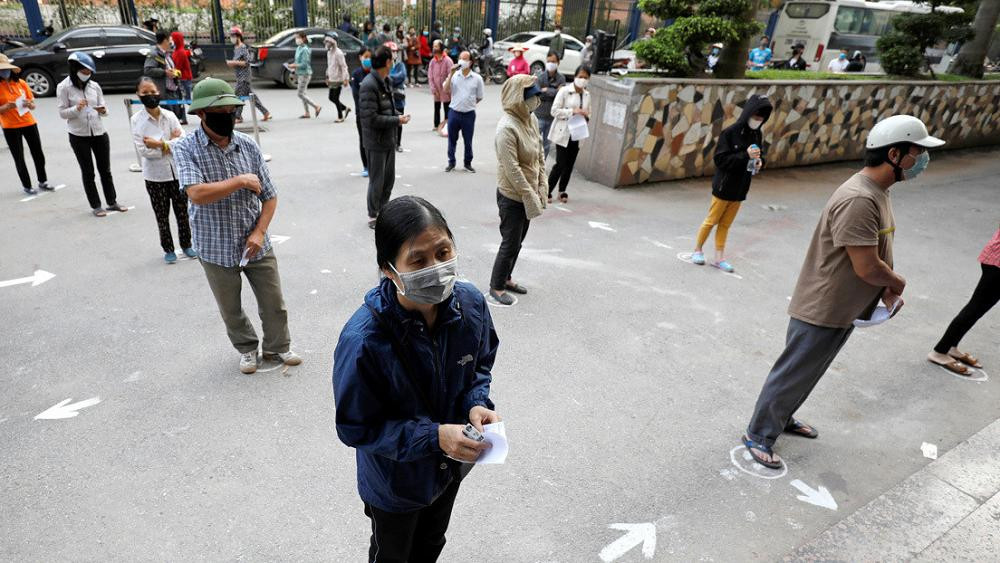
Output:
(182, 62)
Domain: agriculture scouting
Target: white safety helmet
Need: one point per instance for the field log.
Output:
(487, 32)
(901, 129)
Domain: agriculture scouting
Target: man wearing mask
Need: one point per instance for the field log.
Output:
(587, 53)
(847, 270)
(159, 66)
(224, 175)
(465, 87)
(455, 44)
(714, 54)
(760, 56)
(549, 81)
(240, 63)
(796, 62)
(839, 65)
(379, 121)
(357, 77)
(558, 45)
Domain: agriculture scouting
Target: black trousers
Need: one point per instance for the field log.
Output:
(412, 72)
(411, 537)
(361, 142)
(100, 147)
(381, 178)
(985, 296)
(513, 228)
(563, 169)
(437, 112)
(334, 97)
(163, 195)
(30, 136)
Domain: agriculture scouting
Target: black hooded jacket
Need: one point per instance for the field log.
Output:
(732, 181)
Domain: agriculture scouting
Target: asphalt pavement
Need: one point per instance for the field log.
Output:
(625, 376)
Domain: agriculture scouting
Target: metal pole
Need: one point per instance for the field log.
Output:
(541, 23)
(590, 19)
(33, 14)
(256, 128)
(137, 167)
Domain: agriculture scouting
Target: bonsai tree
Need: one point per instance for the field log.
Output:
(903, 49)
(678, 49)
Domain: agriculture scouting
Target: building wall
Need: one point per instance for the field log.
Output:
(670, 127)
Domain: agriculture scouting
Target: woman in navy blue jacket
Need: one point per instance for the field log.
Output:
(411, 368)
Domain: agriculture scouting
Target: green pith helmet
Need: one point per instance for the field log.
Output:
(213, 93)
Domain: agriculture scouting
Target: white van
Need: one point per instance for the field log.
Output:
(826, 27)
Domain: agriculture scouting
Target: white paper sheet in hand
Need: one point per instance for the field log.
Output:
(245, 258)
(879, 316)
(578, 128)
(497, 437)
(22, 105)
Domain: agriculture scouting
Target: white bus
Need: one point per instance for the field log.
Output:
(825, 27)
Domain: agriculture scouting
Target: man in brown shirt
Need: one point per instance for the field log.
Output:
(846, 272)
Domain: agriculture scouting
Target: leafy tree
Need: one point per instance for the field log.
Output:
(969, 61)
(903, 49)
(678, 49)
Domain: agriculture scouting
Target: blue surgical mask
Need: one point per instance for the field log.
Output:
(5, 73)
(367, 63)
(842, 57)
(922, 161)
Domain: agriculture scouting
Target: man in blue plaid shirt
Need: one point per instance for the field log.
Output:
(232, 203)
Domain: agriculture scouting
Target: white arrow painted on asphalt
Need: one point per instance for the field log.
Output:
(63, 410)
(821, 497)
(602, 226)
(278, 239)
(38, 278)
(644, 534)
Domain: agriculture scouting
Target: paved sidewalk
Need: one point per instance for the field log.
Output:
(947, 511)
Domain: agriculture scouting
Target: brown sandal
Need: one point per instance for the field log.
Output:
(967, 359)
(957, 368)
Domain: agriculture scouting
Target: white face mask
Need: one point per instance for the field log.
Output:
(83, 77)
(551, 67)
(755, 123)
(581, 83)
(463, 63)
(298, 41)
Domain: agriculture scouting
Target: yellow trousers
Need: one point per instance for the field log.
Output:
(721, 215)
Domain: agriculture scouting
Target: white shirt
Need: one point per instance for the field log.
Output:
(156, 166)
(837, 65)
(466, 91)
(86, 122)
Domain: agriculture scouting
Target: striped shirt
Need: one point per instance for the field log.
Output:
(220, 229)
(991, 254)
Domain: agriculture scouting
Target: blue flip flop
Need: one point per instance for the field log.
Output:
(751, 446)
(698, 258)
(724, 266)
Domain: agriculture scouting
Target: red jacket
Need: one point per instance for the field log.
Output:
(425, 48)
(181, 56)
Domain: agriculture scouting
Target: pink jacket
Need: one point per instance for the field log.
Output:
(437, 72)
(518, 65)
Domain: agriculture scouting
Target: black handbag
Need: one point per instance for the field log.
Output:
(459, 469)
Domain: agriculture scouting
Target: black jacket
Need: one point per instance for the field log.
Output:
(553, 84)
(799, 64)
(378, 115)
(732, 181)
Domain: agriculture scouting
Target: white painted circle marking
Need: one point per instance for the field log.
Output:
(984, 377)
(758, 470)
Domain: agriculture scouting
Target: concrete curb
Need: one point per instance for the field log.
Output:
(949, 510)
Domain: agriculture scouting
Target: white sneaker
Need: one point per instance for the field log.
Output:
(248, 362)
(288, 358)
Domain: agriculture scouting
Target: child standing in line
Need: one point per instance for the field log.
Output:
(738, 147)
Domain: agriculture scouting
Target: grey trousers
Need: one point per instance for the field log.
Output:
(227, 285)
(809, 351)
(381, 178)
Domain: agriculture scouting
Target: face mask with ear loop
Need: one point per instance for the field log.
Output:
(922, 160)
(431, 285)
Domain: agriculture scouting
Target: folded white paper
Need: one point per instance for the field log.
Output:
(578, 128)
(22, 105)
(879, 316)
(496, 436)
(246, 257)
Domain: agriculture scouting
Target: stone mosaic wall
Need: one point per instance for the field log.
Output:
(670, 126)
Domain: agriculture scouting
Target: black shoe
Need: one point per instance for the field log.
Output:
(399, 148)
(30, 190)
(46, 186)
(516, 288)
(371, 223)
(501, 299)
(449, 168)
(470, 168)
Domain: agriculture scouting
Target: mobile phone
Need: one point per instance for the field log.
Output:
(471, 433)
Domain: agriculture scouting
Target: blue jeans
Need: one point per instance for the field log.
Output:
(544, 124)
(466, 123)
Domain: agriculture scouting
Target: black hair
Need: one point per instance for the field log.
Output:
(553, 54)
(75, 67)
(401, 220)
(161, 36)
(584, 68)
(138, 83)
(880, 156)
(347, 17)
(363, 51)
(302, 34)
(386, 27)
(237, 34)
(368, 25)
(381, 56)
